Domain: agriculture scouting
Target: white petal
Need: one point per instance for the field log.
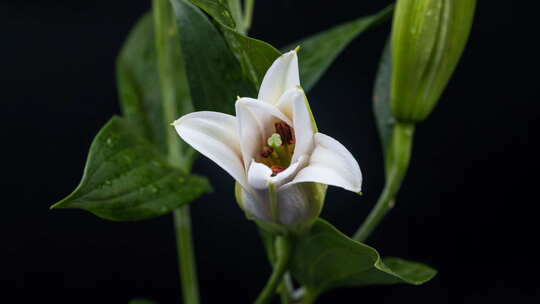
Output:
(256, 203)
(331, 164)
(215, 136)
(285, 102)
(259, 175)
(295, 206)
(255, 124)
(303, 127)
(281, 76)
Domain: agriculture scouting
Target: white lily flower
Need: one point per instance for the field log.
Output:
(273, 150)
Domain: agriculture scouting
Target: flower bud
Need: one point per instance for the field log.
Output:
(428, 37)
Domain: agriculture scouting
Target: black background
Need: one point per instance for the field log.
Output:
(466, 206)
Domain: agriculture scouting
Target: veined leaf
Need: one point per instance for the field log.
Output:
(381, 98)
(127, 179)
(320, 50)
(218, 9)
(139, 85)
(142, 301)
(255, 56)
(325, 259)
(215, 76)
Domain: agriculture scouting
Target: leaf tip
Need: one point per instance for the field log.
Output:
(56, 205)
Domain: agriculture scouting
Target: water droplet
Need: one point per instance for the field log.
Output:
(110, 141)
(154, 189)
(108, 182)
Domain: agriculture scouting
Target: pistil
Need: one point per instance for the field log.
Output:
(277, 152)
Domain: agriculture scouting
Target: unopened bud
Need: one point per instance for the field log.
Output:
(428, 38)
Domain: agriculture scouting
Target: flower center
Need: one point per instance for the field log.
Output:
(277, 152)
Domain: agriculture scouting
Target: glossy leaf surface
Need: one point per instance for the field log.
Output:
(214, 75)
(126, 178)
(325, 259)
(381, 98)
(319, 51)
(139, 85)
(255, 56)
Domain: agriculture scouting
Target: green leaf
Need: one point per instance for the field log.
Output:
(325, 259)
(142, 301)
(218, 9)
(319, 51)
(381, 99)
(126, 178)
(235, 7)
(215, 76)
(255, 56)
(140, 88)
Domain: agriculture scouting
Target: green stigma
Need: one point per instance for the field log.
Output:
(274, 141)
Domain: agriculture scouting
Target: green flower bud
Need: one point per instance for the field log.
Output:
(428, 37)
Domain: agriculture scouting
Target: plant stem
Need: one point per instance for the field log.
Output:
(283, 252)
(163, 22)
(248, 14)
(186, 255)
(397, 162)
(286, 288)
(306, 297)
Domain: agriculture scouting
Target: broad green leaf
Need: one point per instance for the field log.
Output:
(325, 259)
(126, 178)
(215, 77)
(317, 52)
(142, 301)
(235, 7)
(218, 9)
(381, 98)
(255, 56)
(139, 85)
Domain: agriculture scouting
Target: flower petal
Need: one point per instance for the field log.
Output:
(255, 125)
(331, 164)
(303, 126)
(215, 136)
(281, 76)
(259, 175)
(285, 102)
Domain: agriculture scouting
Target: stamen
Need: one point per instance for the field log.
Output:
(266, 151)
(285, 132)
(276, 169)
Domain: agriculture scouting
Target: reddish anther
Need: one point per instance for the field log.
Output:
(266, 151)
(276, 169)
(285, 132)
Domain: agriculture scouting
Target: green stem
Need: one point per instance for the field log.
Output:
(248, 14)
(307, 297)
(186, 255)
(286, 288)
(397, 162)
(283, 252)
(163, 23)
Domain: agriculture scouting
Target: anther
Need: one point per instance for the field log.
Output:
(285, 132)
(266, 151)
(276, 169)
